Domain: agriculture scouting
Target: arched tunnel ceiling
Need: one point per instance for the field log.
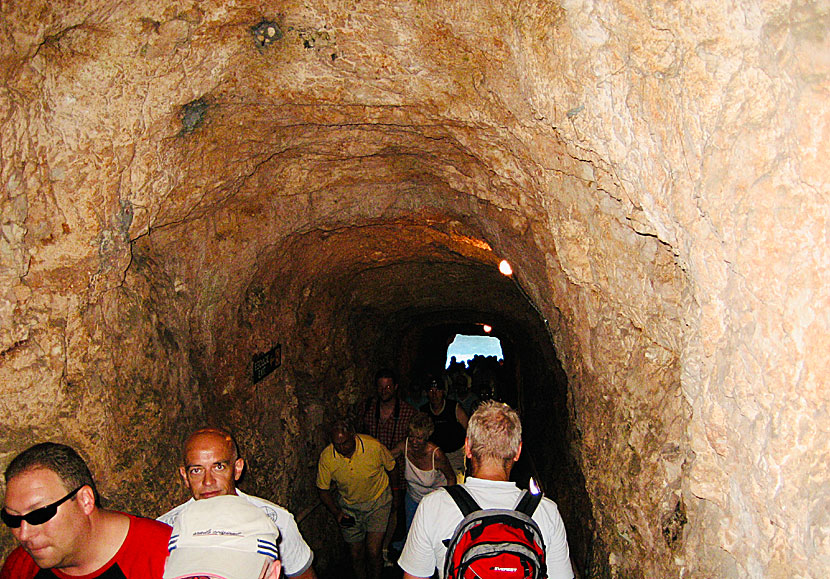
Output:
(255, 160)
(387, 251)
(433, 288)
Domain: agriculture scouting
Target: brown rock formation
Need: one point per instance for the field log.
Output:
(182, 190)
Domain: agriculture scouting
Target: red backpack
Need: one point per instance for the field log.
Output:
(495, 543)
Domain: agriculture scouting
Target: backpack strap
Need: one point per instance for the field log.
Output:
(528, 502)
(462, 498)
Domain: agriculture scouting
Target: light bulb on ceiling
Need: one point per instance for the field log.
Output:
(505, 268)
(487, 329)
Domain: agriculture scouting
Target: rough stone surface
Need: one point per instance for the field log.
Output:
(179, 195)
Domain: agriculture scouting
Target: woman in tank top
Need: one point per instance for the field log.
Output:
(426, 467)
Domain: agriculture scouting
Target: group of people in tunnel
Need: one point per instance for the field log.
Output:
(389, 459)
(468, 384)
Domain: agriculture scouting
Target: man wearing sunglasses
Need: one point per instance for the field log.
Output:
(53, 510)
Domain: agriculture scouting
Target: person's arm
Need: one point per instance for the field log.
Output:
(557, 553)
(297, 557)
(328, 501)
(323, 484)
(461, 416)
(386, 458)
(398, 449)
(443, 464)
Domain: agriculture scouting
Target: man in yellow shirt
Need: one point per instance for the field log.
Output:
(357, 464)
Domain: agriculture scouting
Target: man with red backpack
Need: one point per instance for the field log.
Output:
(494, 530)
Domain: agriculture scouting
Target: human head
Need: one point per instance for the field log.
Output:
(386, 383)
(342, 437)
(436, 391)
(63, 460)
(224, 537)
(461, 383)
(211, 463)
(421, 425)
(420, 428)
(494, 434)
(38, 478)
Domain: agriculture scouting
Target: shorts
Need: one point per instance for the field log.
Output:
(370, 517)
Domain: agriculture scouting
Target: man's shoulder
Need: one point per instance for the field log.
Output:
(370, 443)
(492, 494)
(146, 538)
(169, 518)
(326, 455)
(143, 552)
(367, 440)
(498, 495)
(480, 490)
(149, 527)
(274, 511)
(547, 513)
(437, 499)
(296, 554)
(19, 565)
(368, 404)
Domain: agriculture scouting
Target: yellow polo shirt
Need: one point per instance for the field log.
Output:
(361, 478)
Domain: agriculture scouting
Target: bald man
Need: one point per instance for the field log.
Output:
(212, 466)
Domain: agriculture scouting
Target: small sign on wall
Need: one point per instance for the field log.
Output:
(266, 362)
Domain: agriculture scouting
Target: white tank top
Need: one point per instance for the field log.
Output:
(419, 483)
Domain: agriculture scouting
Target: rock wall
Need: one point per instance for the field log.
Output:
(183, 189)
(717, 125)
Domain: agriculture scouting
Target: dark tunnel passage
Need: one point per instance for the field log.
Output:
(531, 380)
(384, 294)
(413, 339)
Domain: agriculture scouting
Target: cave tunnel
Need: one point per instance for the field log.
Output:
(183, 193)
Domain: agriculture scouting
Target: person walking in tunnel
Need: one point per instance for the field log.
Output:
(357, 465)
(54, 511)
(493, 445)
(463, 392)
(426, 467)
(450, 423)
(225, 537)
(386, 417)
(212, 466)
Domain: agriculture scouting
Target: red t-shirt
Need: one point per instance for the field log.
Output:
(141, 556)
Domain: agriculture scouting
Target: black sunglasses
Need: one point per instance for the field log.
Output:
(38, 516)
